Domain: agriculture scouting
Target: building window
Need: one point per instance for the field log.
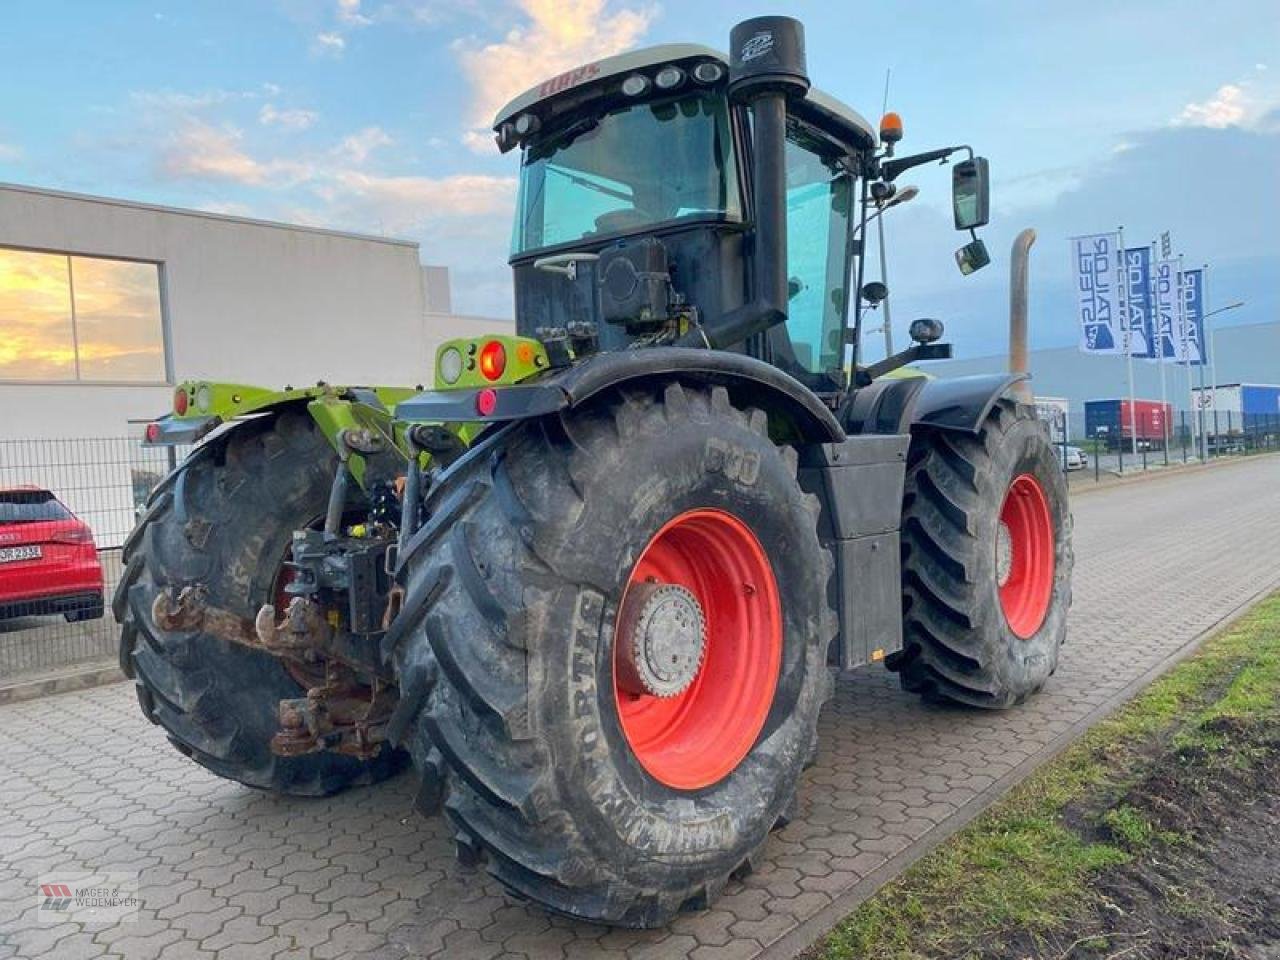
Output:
(68, 317)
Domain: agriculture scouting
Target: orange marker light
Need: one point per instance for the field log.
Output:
(524, 353)
(891, 128)
(493, 360)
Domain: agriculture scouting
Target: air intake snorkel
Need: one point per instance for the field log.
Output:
(766, 68)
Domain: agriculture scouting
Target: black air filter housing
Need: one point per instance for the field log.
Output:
(635, 285)
(766, 54)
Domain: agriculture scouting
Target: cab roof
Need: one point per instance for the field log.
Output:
(826, 109)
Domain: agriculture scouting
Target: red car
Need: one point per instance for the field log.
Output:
(48, 562)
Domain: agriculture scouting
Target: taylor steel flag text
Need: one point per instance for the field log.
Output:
(1168, 316)
(1193, 317)
(1096, 267)
(1137, 278)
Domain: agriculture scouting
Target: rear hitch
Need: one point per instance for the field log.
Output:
(344, 709)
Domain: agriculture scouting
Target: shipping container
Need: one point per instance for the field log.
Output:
(1110, 421)
(1236, 409)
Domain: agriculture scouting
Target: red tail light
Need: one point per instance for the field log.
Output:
(486, 401)
(77, 534)
(493, 360)
(153, 432)
(180, 402)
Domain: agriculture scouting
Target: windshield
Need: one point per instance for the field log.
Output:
(633, 168)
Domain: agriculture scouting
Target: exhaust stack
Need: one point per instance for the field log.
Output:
(766, 68)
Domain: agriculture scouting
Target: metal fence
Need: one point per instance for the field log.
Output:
(1194, 436)
(66, 507)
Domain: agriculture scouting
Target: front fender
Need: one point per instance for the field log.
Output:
(795, 412)
(896, 406)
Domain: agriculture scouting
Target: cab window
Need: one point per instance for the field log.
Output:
(819, 201)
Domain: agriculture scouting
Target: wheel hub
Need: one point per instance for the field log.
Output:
(663, 636)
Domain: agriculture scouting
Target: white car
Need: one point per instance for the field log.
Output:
(1076, 459)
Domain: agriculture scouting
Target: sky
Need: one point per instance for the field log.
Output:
(373, 116)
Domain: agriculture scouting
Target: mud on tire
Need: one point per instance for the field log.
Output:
(225, 519)
(505, 652)
(958, 644)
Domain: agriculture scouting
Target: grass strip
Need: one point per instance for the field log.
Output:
(1022, 867)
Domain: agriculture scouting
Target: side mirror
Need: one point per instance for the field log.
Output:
(971, 193)
(972, 257)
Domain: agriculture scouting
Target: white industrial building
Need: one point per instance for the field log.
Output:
(106, 304)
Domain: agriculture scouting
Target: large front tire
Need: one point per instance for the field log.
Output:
(226, 521)
(986, 560)
(507, 645)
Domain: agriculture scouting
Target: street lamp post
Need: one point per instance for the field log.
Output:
(902, 196)
(1211, 332)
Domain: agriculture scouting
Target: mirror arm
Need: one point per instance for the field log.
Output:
(890, 170)
(917, 351)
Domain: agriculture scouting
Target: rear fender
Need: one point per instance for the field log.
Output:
(796, 414)
(357, 421)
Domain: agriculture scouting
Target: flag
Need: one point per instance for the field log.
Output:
(1137, 278)
(1168, 317)
(1096, 268)
(1193, 352)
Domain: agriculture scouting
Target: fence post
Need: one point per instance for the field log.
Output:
(1120, 447)
(1097, 462)
(1182, 432)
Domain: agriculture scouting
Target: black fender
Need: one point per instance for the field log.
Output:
(899, 405)
(796, 413)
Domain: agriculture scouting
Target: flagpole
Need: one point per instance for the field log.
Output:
(1128, 339)
(1204, 357)
(1155, 306)
(1182, 330)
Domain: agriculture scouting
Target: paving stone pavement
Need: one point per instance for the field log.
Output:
(229, 872)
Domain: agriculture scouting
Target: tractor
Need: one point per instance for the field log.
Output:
(593, 586)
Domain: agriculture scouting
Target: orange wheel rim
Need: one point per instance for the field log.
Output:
(698, 736)
(1024, 556)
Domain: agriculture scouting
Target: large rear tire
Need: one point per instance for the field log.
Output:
(986, 559)
(225, 520)
(543, 551)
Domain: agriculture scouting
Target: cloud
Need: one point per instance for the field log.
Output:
(1241, 103)
(1226, 108)
(203, 152)
(349, 13)
(270, 116)
(334, 188)
(9, 152)
(330, 44)
(557, 35)
(183, 102)
(355, 149)
(403, 203)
